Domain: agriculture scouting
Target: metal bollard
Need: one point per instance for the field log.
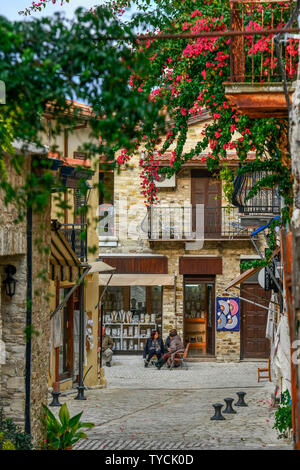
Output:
(229, 408)
(241, 401)
(55, 401)
(218, 415)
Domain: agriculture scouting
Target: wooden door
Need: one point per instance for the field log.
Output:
(207, 190)
(254, 344)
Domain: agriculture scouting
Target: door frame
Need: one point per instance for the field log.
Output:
(242, 323)
(197, 279)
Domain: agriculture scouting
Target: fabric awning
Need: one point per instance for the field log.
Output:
(246, 274)
(100, 267)
(64, 264)
(137, 279)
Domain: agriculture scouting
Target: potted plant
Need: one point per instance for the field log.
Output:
(63, 433)
(283, 416)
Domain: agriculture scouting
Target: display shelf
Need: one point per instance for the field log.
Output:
(197, 345)
(124, 323)
(195, 320)
(137, 338)
(195, 327)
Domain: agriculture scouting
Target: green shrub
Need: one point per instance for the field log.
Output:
(12, 435)
(62, 433)
(283, 416)
(5, 444)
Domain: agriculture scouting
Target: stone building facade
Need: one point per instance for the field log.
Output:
(217, 261)
(13, 311)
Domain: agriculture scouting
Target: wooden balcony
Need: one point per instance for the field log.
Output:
(255, 86)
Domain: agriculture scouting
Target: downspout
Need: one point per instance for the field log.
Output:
(28, 323)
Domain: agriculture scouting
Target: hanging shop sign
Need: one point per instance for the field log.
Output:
(265, 279)
(228, 314)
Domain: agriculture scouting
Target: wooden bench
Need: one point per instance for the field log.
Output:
(260, 372)
(180, 358)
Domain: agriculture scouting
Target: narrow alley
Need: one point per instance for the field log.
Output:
(171, 409)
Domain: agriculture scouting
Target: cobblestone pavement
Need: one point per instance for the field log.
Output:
(171, 409)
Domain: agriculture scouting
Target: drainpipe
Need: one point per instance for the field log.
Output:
(28, 322)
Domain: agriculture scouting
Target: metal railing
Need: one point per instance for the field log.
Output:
(266, 201)
(253, 57)
(76, 236)
(194, 223)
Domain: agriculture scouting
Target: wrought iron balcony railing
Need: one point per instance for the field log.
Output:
(194, 223)
(266, 201)
(253, 58)
(76, 235)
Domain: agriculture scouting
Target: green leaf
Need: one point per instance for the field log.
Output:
(64, 415)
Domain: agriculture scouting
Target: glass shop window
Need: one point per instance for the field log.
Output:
(131, 313)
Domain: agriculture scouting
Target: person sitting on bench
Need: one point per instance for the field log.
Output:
(154, 346)
(175, 346)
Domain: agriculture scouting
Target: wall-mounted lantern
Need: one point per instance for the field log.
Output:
(10, 282)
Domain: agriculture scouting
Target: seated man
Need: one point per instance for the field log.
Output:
(175, 346)
(154, 346)
(107, 345)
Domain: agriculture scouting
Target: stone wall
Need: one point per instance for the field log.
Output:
(13, 311)
(40, 319)
(13, 319)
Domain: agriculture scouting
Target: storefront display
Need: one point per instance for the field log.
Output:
(130, 314)
(195, 315)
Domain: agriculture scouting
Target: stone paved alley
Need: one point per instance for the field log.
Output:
(150, 409)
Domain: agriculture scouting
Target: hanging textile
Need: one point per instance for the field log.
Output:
(57, 336)
(271, 321)
(282, 355)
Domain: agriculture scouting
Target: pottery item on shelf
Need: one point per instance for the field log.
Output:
(147, 318)
(113, 316)
(136, 331)
(117, 345)
(153, 318)
(125, 332)
(130, 331)
(142, 318)
(148, 332)
(135, 346)
(125, 344)
(142, 344)
(122, 316)
(131, 344)
(107, 331)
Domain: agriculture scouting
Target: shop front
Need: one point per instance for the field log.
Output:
(133, 300)
(133, 310)
(199, 314)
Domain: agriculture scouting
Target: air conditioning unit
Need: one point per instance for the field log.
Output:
(165, 182)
